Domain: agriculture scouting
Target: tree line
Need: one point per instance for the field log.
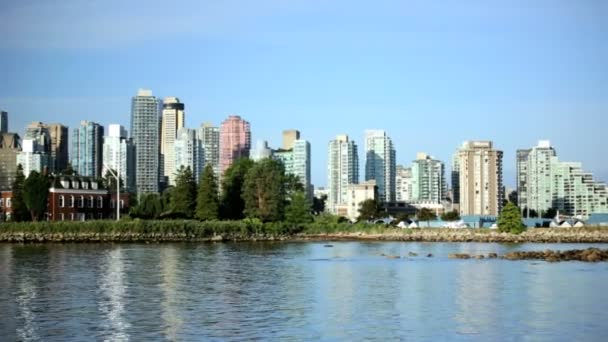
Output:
(256, 190)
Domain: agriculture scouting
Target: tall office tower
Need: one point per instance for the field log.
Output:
(481, 189)
(428, 179)
(3, 122)
(35, 152)
(342, 170)
(119, 155)
(235, 141)
(172, 120)
(296, 161)
(455, 178)
(10, 145)
(210, 143)
(59, 147)
(380, 163)
(564, 186)
(145, 132)
(87, 149)
(189, 152)
(403, 181)
(522, 180)
(260, 151)
(289, 137)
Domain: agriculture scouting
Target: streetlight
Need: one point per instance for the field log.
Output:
(117, 177)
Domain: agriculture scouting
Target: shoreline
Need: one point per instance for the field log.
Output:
(533, 235)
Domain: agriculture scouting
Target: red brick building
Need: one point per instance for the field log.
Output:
(73, 198)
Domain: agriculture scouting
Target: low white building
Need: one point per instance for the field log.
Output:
(357, 193)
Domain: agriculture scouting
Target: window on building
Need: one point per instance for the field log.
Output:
(62, 216)
(71, 201)
(122, 204)
(99, 202)
(71, 216)
(1, 202)
(81, 202)
(61, 201)
(9, 202)
(91, 202)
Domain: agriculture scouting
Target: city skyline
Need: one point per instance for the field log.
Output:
(432, 76)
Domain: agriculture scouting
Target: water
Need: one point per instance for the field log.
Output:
(296, 291)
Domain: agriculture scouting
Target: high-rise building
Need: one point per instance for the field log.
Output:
(428, 179)
(260, 151)
(145, 132)
(380, 163)
(403, 181)
(297, 162)
(481, 187)
(87, 149)
(35, 152)
(342, 170)
(210, 143)
(59, 147)
(289, 137)
(455, 178)
(172, 120)
(3, 122)
(188, 152)
(544, 182)
(119, 155)
(235, 141)
(10, 145)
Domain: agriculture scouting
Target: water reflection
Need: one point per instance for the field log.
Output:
(112, 291)
(170, 302)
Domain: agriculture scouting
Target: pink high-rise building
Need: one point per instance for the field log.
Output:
(235, 141)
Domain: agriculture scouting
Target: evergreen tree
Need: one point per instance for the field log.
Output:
(510, 220)
(427, 215)
(318, 204)
(450, 216)
(207, 203)
(368, 210)
(232, 205)
(149, 206)
(183, 196)
(35, 194)
(298, 210)
(264, 191)
(20, 212)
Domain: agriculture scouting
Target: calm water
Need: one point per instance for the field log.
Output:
(296, 291)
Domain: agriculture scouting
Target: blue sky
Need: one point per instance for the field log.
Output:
(431, 73)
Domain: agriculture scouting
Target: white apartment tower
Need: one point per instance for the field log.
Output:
(342, 170)
(188, 152)
(172, 120)
(119, 155)
(380, 163)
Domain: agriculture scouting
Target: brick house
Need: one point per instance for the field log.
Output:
(74, 198)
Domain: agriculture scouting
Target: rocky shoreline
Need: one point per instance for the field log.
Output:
(585, 255)
(541, 235)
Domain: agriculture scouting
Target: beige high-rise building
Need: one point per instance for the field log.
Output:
(173, 118)
(59, 146)
(480, 173)
(289, 138)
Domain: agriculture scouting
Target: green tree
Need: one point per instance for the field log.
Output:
(264, 191)
(450, 216)
(318, 204)
(183, 196)
(20, 211)
(402, 217)
(293, 185)
(427, 215)
(550, 213)
(510, 221)
(207, 203)
(35, 194)
(368, 210)
(298, 210)
(232, 205)
(148, 206)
